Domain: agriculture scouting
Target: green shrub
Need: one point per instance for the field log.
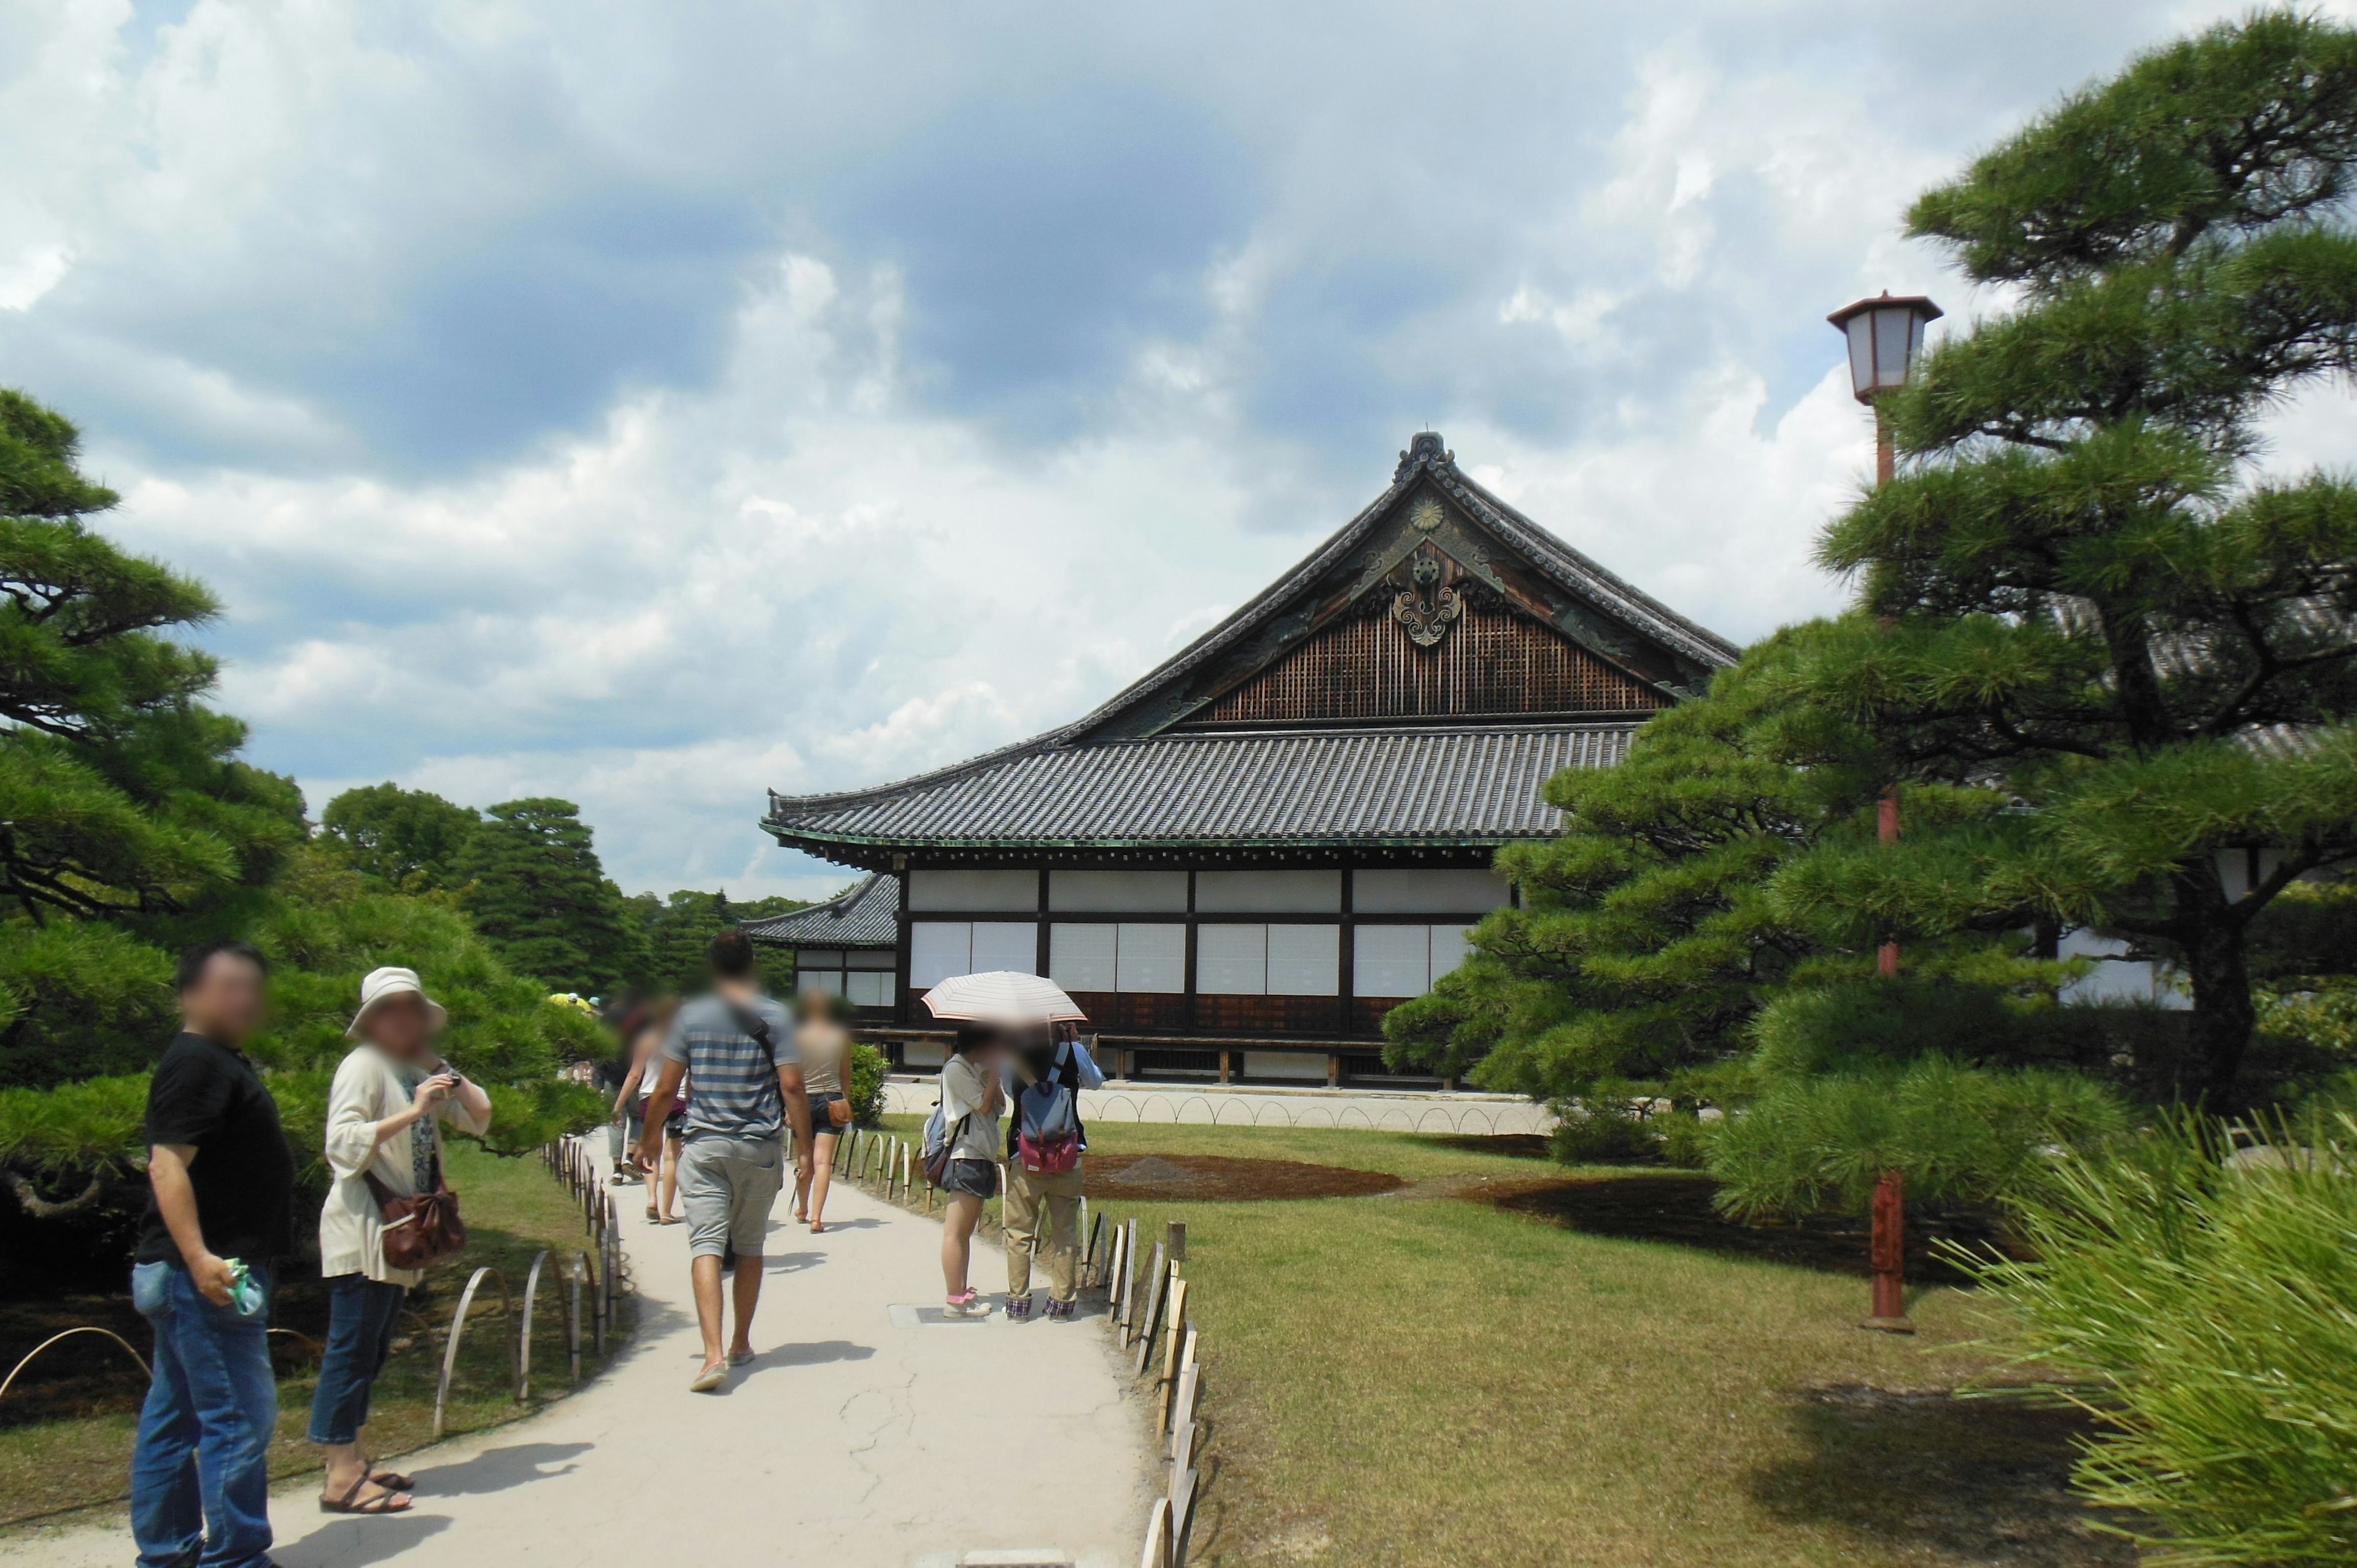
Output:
(1685, 1139)
(1601, 1129)
(2210, 1309)
(869, 1068)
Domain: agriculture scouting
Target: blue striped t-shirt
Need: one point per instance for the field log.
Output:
(732, 1088)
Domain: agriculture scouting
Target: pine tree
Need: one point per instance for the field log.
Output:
(1646, 939)
(679, 932)
(120, 795)
(535, 888)
(2075, 598)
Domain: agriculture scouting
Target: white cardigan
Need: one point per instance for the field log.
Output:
(352, 1232)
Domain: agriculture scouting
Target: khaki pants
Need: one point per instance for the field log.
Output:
(1027, 1194)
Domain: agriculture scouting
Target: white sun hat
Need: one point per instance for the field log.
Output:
(391, 980)
(1003, 996)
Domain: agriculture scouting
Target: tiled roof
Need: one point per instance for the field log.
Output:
(1467, 785)
(864, 915)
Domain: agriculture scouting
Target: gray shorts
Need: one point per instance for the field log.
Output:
(727, 1187)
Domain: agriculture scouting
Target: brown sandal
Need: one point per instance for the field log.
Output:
(393, 1480)
(379, 1504)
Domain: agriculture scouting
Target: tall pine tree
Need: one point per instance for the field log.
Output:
(534, 884)
(122, 797)
(2075, 595)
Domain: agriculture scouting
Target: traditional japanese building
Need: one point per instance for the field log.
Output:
(1241, 862)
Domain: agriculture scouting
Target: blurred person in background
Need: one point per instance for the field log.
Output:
(824, 1044)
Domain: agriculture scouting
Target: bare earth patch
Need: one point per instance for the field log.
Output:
(1220, 1178)
(1675, 1207)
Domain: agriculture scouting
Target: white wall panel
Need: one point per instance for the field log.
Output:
(1392, 960)
(1305, 961)
(1306, 1067)
(973, 890)
(1267, 892)
(1232, 961)
(1443, 892)
(1005, 944)
(1151, 958)
(1117, 892)
(1450, 947)
(1081, 958)
(939, 949)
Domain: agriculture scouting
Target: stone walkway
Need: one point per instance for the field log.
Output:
(851, 1441)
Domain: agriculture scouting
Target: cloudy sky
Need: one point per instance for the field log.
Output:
(651, 403)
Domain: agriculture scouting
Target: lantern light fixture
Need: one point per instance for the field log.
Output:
(1885, 335)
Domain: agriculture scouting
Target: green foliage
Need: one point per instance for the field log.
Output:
(81, 998)
(1646, 939)
(869, 1068)
(2073, 599)
(1955, 1133)
(679, 929)
(1601, 1129)
(2209, 1311)
(408, 839)
(536, 890)
(95, 1127)
(121, 792)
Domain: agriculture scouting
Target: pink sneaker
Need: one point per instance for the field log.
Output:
(969, 1305)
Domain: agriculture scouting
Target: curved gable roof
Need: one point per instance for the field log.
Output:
(1429, 500)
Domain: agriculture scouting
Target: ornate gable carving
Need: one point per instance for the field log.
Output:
(1429, 640)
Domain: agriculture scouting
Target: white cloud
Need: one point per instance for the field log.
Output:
(561, 397)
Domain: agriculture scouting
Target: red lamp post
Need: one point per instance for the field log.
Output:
(1885, 335)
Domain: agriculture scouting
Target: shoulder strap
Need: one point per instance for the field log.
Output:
(755, 1027)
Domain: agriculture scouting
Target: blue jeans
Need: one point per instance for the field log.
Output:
(362, 1315)
(199, 1471)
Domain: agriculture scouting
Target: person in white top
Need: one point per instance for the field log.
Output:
(971, 1101)
(384, 1111)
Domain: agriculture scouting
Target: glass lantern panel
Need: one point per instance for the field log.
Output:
(1892, 328)
(1860, 328)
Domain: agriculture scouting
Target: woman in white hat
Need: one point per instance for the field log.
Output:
(384, 1115)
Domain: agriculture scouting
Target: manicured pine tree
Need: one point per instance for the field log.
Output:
(122, 799)
(2076, 598)
(1646, 939)
(534, 884)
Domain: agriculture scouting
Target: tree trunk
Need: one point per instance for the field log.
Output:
(2225, 1017)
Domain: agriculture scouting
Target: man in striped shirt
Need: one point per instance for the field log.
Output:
(735, 1048)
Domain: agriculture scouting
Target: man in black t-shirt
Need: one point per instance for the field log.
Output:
(224, 1196)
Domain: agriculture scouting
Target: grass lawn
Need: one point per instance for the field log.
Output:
(1423, 1377)
(65, 1430)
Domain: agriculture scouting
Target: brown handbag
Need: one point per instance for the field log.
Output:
(422, 1230)
(838, 1112)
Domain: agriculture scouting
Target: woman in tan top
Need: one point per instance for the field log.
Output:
(824, 1046)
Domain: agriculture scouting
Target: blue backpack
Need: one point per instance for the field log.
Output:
(1046, 1133)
